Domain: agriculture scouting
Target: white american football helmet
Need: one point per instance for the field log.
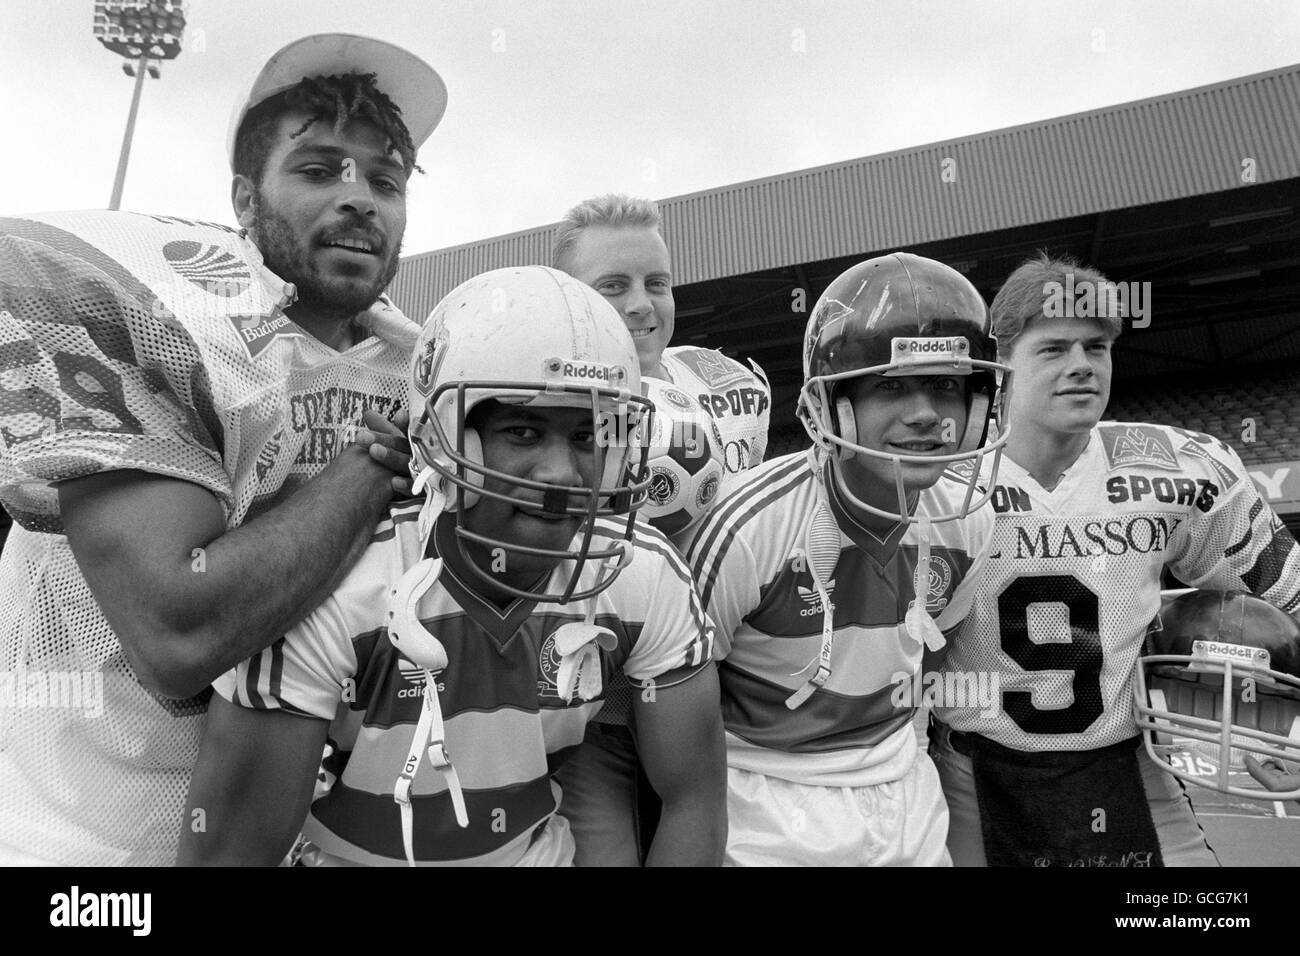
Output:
(530, 336)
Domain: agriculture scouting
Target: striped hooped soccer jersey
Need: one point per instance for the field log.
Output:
(738, 399)
(507, 729)
(1074, 578)
(141, 342)
(749, 564)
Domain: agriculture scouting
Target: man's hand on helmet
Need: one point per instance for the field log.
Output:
(388, 446)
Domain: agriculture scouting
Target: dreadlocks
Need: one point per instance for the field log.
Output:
(346, 97)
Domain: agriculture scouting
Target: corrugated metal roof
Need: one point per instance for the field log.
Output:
(1169, 147)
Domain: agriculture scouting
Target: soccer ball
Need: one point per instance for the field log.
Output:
(685, 460)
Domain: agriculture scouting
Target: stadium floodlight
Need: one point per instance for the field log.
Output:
(144, 32)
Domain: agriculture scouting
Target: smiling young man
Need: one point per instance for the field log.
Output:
(180, 440)
(481, 626)
(829, 573)
(613, 243)
(1089, 514)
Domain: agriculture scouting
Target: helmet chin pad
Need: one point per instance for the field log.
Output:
(453, 493)
(846, 426)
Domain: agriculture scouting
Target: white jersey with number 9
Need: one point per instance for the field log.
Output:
(1073, 579)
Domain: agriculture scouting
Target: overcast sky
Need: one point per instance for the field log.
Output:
(551, 102)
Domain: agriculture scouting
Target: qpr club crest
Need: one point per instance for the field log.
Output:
(548, 668)
(940, 580)
(708, 490)
(664, 486)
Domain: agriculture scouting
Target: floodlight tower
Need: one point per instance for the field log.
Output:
(144, 32)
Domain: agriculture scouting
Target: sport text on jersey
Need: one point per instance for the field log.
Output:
(951, 353)
(735, 401)
(1200, 492)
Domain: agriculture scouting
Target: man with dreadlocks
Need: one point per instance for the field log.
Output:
(195, 442)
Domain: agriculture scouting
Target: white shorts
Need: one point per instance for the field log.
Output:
(775, 822)
(1182, 841)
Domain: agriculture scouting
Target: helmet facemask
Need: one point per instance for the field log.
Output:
(901, 315)
(449, 454)
(1211, 686)
(827, 415)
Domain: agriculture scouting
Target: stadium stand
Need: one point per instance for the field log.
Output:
(1224, 408)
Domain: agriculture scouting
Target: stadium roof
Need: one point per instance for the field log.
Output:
(1228, 136)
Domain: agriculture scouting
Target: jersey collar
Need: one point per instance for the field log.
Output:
(878, 549)
(501, 623)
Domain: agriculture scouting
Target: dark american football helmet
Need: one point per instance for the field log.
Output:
(895, 315)
(1221, 673)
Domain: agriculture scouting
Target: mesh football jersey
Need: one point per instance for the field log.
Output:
(738, 399)
(739, 402)
(752, 572)
(1074, 578)
(136, 342)
(507, 729)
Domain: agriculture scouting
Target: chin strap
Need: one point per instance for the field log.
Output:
(414, 641)
(918, 622)
(433, 502)
(579, 643)
(822, 547)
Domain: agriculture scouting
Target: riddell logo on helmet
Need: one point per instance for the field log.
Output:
(931, 345)
(1216, 650)
(559, 368)
(931, 350)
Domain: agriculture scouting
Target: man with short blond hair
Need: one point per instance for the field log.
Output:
(614, 244)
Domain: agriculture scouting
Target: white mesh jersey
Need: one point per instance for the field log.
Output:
(1074, 578)
(751, 568)
(507, 728)
(135, 342)
(738, 399)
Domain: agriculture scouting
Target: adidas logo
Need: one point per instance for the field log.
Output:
(814, 600)
(413, 674)
(209, 267)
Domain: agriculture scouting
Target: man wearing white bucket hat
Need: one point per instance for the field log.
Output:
(202, 442)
